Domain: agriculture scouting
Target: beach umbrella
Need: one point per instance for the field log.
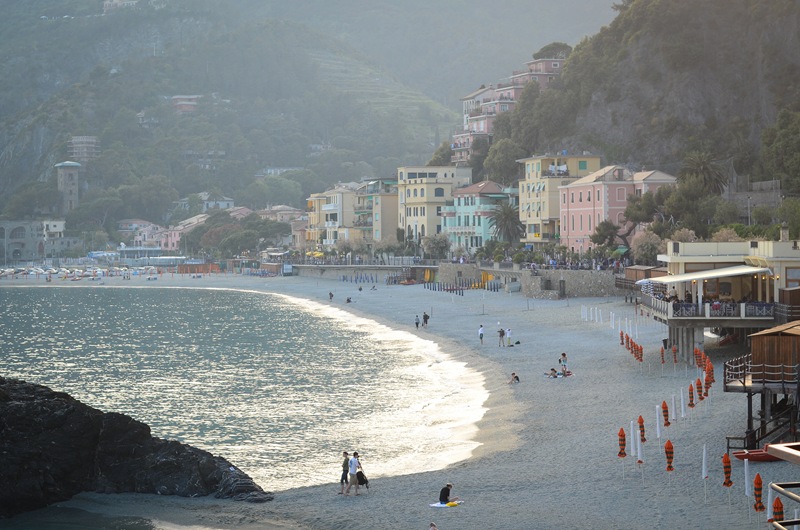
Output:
(622, 453)
(641, 430)
(707, 384)
(748, 486)
(726, 468)
(662, 355)
(699, 385)
(658, 423)
(674, 410)
(665, 412)
(675, 353)
(757, 485)
(670, 453)
(705, 475)
(777, 510)
(691, 396)
(621, 338)
(683, 406)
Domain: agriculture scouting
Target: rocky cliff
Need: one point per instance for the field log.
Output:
(52, 447)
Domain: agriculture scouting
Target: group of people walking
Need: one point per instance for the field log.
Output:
(425, 318)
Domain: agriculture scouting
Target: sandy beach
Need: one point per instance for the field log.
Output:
(548, 453)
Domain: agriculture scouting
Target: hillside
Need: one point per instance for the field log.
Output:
(669, 76)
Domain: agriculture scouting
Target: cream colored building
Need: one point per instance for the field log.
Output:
(539, 207)
(376, 209)
(331, 215)
(422, 193)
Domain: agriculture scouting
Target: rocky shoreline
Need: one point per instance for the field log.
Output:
(54, 447)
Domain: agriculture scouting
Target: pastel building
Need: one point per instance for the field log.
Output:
(376, 209)
(467, 220)
(331, 215)
(539, 204)
(600, 196)
(423, 191)
(543, 71)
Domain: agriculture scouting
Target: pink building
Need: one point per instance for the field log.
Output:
(543, 71)
(601, 196)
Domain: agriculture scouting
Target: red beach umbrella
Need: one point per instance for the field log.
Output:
(641, 430)
(665, 413)
(757, 485)
(674, 355)
(621, 338)
(699, 386)
(670, 453)
(662, 355)
(726, 468)
(707, 384)
(710, 370)
(777, 510)
(691, 396)
(622, 453)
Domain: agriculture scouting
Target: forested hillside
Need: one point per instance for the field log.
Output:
(670, 76)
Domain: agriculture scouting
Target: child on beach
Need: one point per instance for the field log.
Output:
(553, 373)
(563, 362)
(480, 333)
(514, 378)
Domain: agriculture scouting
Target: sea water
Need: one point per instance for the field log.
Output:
(278, 386)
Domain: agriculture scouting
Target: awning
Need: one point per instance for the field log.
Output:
(739, 270)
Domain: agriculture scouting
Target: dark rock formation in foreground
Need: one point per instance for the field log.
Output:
(52, 447)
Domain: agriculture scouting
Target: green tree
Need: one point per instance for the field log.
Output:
(554, 50)
(505, 223)
(502, 163)
(700, 166)
(780, 150)
(436, 246)
(442, 156)
(645, 247)
(480, 150)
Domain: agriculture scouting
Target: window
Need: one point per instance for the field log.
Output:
(572, 225)
(580, 196)
(438, 192)
(583, 164)
(408, 193)
(422, 210)
(422, 192)
(563, 198)
(588, 196)
(572, 197)
(621, 194)
(415, 192)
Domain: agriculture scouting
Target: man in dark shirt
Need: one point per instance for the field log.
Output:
(444, 495)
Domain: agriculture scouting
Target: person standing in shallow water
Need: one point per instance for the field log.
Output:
(416, 321)
(425, 317)
(480, 333)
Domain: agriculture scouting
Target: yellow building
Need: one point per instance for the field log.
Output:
(539, 208)
(422, 193)
(331, 215)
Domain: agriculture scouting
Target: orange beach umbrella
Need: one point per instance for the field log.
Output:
(622, 453)
(726, 468)
(777, 510)
(670, 453)
(665, 413)
(691, 396)
(699, 385)
(757, 485)
(641, 430)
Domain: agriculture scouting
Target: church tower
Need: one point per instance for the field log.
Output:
(68, 185)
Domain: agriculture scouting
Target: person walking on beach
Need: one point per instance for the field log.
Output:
(345, 469)
(330, 296)
(563, 362)
(501, 334)
(416, 321)
(480, 333)
(353, 466)
(444, 495)
(425, 317)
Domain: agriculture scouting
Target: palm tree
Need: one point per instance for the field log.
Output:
(505, 223)
(699, 165)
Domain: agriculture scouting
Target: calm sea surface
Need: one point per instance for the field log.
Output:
(279, 386)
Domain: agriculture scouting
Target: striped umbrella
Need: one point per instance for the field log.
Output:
(670, 453)
(726, 468)
(622, 453)
(641, 430)
(699, 385)
(691, 396)
(757, 485)
(777, 510)
(665, 413)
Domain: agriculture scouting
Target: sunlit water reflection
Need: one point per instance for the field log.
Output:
(279, 386)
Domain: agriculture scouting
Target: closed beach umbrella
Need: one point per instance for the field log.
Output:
(777, 510)
(707, 384)
(699, 385)
(662, 355)
(757, 485)
(691, 396)
(665, 413)
(622, 453)
(641, 430)
(726, 468)
(670, 453)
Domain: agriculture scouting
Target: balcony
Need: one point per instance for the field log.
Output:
(332, 207)
(331, 224)
(665, 310)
